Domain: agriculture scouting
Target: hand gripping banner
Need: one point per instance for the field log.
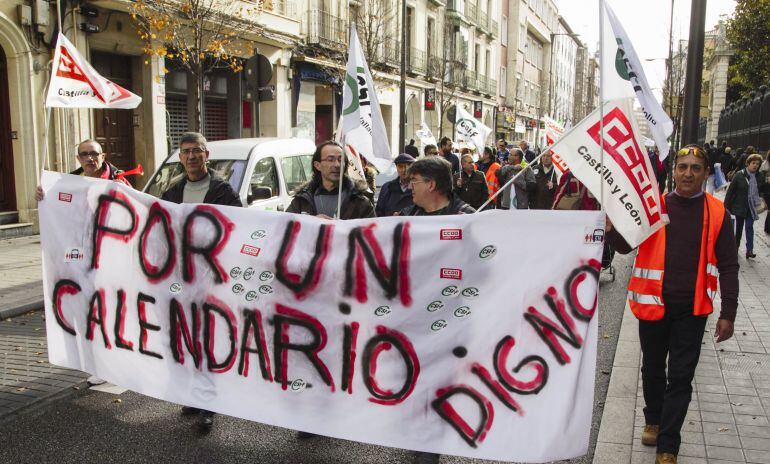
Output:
(434, 333)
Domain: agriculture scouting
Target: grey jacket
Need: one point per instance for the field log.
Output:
(524, 184)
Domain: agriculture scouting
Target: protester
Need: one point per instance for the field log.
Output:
(319, 197)
(670, 292)
(430, 150)
(370, 176)
(743, 200)
(471, 184)
(199, 185)
(764, 171)
(727, 160)
(489, 167)
(92, 164)
(516, 195)
(395, 194)
(431, 183)
(529, 155)
(502, 151)
(411, 150)
(445, 145)
(545, 178)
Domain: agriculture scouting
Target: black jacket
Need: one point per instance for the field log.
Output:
(737, 197)
(454, 159)
(355, 203)
(393, 198)
(455, 206)
(529, 155)
(474, 190)
(112, 171)
(543, 196)
(220, 193)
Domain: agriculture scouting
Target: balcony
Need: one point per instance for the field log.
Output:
(493, 27)
(390, 54)
(433, 70)
(416, 61)
(482, 20)
(471, 81)
(438, 2)
(326, 30)
(470, 11)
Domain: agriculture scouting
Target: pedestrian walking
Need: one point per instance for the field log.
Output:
(319, 197)
(471, 184)
(545, 178)
(489, 166)
(199, 185)
(395, 194)
(411, 150)
(445, 147)
(671, 292)
(744, 201)
(516, 195)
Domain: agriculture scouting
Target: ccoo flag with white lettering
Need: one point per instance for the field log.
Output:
(470, 130)
(624, 77)
(362, 125)
(76, 84)
(630, 193)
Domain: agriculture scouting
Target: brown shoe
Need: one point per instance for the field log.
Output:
(665, 458)
(650, 435)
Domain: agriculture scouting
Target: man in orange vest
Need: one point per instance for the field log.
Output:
(489, 166)
(672, 291)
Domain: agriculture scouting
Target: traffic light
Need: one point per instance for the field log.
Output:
(430, 99)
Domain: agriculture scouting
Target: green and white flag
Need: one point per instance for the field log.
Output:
(624, 77)
(470, 130)
(363, 129)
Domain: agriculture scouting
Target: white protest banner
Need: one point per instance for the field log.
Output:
(393, 331)
(470, 130)
(630, 193)
(425, 135)
(362, 124)
(76, 84)
(628, 72)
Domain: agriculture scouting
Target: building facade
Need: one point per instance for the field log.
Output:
(561, 105)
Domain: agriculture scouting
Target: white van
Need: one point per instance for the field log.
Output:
(265, 172)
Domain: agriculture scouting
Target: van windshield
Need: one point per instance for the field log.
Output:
(171, 173)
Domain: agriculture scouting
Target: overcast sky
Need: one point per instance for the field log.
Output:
(646, 23)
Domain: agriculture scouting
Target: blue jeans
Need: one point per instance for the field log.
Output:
(749, 224)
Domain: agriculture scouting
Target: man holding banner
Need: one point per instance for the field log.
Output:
(671, 292)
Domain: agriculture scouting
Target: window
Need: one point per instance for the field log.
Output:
(504, 31)
(430, 36)
(296, 171)
(503, 81)
(264, 177)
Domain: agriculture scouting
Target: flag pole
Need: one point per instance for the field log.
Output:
(601, 99)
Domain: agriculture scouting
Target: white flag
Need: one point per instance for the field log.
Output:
(425, 135)
(625, 74)
(355, 167)
(469, 130)
(76, 84)
(553, 132)
(362, 124)
(630, 194)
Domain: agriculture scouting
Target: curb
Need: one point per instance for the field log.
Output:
(14, 311)
(39, 403)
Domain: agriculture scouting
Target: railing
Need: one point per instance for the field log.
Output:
(434, 67)
(470, 11)
(483, 20)
(493, 27)
(391, 52)
(747, 121)
(416, 61)
(492, 87)
(453, 6)
(326, 30)
(471, 81)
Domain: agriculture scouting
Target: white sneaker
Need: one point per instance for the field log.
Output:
(94, 380)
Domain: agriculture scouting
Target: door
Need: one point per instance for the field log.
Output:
(114, 129)
(7, 185)
(323, 123)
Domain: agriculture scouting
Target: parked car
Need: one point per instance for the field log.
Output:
(266, 172)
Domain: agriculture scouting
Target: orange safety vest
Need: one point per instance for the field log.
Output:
(492, 183)
(645, 289)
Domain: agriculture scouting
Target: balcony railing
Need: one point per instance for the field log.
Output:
(471, 81)
(493, 27)
(326, 30)
(453, 6)
(416, 61)
(470, 11)
(434, 67)
(482, 20)
(390, 53)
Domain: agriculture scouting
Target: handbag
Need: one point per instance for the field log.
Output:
(571, 201)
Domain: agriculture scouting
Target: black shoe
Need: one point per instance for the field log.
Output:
(426, 458)
(205, 420)
(750, 255)
(189, 410)
(305, 435)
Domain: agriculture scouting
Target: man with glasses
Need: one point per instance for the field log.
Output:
(431, 182)
(319, 197)
(92, 164)
(671, 292)
(199, 185)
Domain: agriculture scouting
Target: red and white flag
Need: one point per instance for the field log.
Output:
(553, 132)
(76, 84)
(622, 177)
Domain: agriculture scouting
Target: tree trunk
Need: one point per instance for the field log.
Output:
(196, 73)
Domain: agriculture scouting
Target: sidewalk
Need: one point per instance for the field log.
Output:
(728, 420)
(26, 378)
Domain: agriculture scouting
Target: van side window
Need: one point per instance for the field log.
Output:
(264, 181)
(296, 171)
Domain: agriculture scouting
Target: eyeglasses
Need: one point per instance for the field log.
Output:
(192, 151)
(412, 182)
(89, 154)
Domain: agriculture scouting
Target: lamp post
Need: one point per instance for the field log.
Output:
(402, 85)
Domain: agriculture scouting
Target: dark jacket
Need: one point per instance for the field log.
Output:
(474, 189)
(393, 198)
(454, 159)
(737, 197)
(529, 155)
(543, 196)
(220, 192)
(355, 203)
(111, 173)
(455, 206)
